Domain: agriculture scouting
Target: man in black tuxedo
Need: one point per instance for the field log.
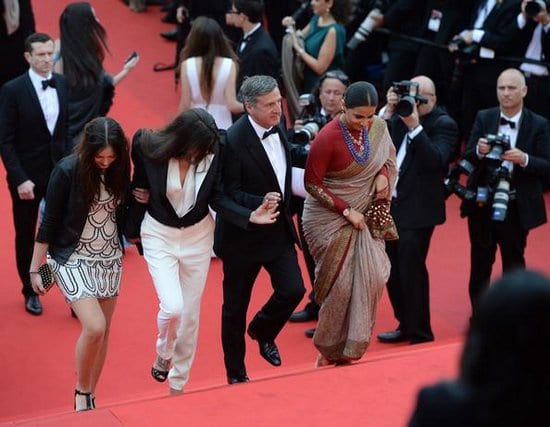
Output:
(442, 20)
(426, 141)
(491, 30)
(532, 41)
(256, 50)
(526, 162)
(257, 166)
(33, 137)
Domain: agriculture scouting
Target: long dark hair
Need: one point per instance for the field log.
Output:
(208, 41)
(101, 133)
(505, 359)
(192, 133)
(83, 45)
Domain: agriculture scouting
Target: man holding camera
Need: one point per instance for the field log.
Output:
(533, 42)
(326, 104)
(527, 160)
(425, 138)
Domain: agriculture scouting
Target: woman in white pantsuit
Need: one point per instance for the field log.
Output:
(179, 165)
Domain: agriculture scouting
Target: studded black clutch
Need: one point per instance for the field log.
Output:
(47, 276)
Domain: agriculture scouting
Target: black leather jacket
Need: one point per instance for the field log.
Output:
(66, 211)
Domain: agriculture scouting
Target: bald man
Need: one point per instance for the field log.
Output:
(426, 141)
(528, 160)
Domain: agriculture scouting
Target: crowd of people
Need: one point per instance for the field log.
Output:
(466, 84)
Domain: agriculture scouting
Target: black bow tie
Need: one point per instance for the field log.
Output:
(271, 131)
(504, 121)
(48, 82)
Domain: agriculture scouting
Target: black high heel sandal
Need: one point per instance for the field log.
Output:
(90, 400)
(161, 374)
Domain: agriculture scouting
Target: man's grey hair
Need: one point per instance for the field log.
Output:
(256, 86)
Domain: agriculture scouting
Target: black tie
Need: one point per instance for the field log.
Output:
(48, 82)
(504, 121)
(243, 43)
(271, 131)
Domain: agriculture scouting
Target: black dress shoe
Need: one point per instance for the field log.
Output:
(303, 316)
(270, 352)
(310, 332)
(33, 305)
(392, 337)
(268, 349)
(238, 379)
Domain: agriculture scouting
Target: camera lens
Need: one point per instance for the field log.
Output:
(405, 106)
(500, 200)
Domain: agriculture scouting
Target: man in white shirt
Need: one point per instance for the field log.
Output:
(33, 137)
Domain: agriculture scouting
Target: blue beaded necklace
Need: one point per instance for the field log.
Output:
(362, 155)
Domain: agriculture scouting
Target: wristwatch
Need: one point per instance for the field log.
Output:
(346, 211)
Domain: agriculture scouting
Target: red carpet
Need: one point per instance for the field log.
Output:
(36, 353)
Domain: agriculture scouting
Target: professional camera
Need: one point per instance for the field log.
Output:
(312, 121)
(499, 144)
(491, 180)
(368, 25)
(502, 195)
(533, 7)
(407, 92)
(452, 183)
(463, 48)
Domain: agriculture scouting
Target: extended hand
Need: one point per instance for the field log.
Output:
(515, 155)
(266, 213)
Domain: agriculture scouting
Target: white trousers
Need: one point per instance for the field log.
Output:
(178, 260)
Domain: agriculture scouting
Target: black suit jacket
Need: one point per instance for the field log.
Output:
(499, 26)
(533, 139)
(523, 36)
(259, 56)
(247, 176)
(152, 175)
(28, 149)
(420, 190)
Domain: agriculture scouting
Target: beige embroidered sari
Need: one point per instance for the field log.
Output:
(351, 266)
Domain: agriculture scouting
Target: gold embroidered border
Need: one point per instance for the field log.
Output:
(335, 255)
(320, 194)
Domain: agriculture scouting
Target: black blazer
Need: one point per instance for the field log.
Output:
(533, 139)
(28, 149)
(522, 38)
(66, 211)
(152, 175)
(259, 56)
(420, 190)
(499, 26)
(247, 176)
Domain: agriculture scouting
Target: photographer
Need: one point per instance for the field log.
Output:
(533, 42)
(527, 160)
(425, 138)
(489, 35)
(326, 103)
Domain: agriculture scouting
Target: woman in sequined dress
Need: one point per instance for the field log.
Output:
(80, 237)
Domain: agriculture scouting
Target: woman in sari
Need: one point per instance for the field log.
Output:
(351, 163)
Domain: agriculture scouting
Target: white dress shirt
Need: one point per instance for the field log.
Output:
(49, 102)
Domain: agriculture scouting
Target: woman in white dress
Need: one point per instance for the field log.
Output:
(208, 72)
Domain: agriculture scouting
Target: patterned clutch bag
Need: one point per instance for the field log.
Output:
(47, 276)
(380, 222)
